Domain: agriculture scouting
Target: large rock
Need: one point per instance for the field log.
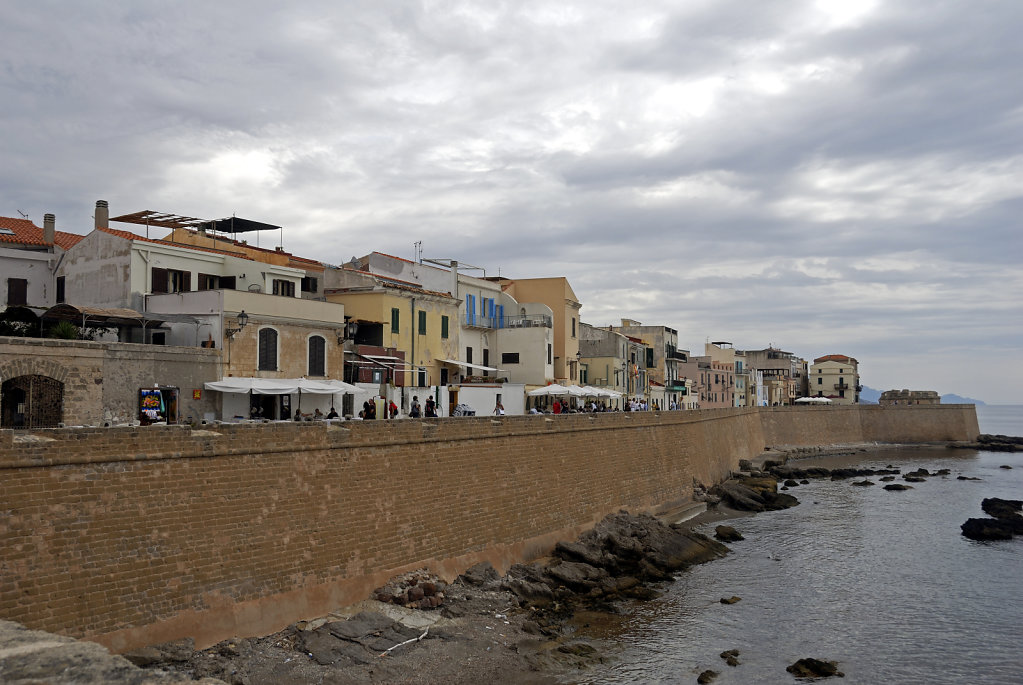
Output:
(814, 668)
(727, 534)
(987, 529)
(754, 494)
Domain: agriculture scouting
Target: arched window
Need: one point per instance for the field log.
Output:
(317, 356)
(267, 349)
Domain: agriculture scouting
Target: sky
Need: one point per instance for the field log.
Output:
(823, 176)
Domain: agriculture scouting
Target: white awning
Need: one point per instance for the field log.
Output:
(468, 365)
(281, 386)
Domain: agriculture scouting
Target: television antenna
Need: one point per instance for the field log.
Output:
(23, 214)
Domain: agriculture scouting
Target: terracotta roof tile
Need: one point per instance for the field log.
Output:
(27, 233)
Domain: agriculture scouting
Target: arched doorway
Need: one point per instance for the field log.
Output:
(31, 402)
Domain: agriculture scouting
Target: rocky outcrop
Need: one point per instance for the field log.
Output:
(1006, 520)
(614, 560)
(992, 443)
(753, 493)
(814, 668)
(727, 534)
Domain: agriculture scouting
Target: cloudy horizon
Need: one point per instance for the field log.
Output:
(827, 177)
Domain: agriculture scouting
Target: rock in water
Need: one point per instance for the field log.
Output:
(730, 600)
(898, 486)
(986, 529)
(727, 534)
(707, 676)
(814, 668)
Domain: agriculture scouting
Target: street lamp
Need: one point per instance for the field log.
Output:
(243, 320)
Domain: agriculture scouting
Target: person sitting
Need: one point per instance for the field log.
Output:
(317, 414)
(332, 414)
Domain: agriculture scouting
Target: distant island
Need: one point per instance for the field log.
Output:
(870, 396)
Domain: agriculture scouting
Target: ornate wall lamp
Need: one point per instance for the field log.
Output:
(243, 319)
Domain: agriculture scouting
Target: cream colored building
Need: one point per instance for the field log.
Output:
(663, 357)
(836, 377)
(557, 294)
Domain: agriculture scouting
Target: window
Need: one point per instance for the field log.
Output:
(17, 291)
(317, 356)
(444, 327)
(649, 355)
(549, 350)
(486, 360)
(510, 358)
(60, 289)
(395, 320)
(820, 381)
(285, 288)
(310, 284)
(267, 349)
(470, 310)
(159, 338)
(573, 326)
(422, 323)
(211, 282)
(421, 378)
(468, 355)
(170, 281)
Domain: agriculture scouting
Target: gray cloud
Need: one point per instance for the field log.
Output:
(829, 177)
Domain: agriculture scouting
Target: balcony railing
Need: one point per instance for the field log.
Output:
(528, 321)
(842, 385)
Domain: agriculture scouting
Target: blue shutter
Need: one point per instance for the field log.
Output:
(500, 316)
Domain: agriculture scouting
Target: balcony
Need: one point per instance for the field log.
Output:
(842, 385)
(675, 385)
(527, 321)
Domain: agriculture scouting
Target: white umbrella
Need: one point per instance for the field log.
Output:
(552, 389)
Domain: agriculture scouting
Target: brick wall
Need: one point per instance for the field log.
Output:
(804, 426)
(132, 536)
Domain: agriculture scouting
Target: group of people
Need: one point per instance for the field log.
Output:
(634, 404)
(316, 415)
(417, 411)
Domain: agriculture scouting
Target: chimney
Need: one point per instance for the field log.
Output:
(102, 214)
(49, 228)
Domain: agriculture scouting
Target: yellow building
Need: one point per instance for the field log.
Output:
(557, 294)
(837, 377)
(422, 324)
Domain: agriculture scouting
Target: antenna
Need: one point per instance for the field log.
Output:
(23, 214)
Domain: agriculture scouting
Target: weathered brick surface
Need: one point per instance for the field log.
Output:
(802, 426)
(139, 535)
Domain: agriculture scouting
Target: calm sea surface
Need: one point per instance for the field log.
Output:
(881, 582)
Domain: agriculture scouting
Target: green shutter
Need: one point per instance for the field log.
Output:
(422, 323)
(394, 320)
(443, 326)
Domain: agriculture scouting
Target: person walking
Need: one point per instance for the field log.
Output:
(415, 411)
(499, 408)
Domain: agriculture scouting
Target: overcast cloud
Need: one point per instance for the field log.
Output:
(828, 177)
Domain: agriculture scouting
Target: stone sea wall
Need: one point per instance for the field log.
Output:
(133, 536)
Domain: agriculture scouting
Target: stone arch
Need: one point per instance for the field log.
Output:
(32, 393)
(31, 401)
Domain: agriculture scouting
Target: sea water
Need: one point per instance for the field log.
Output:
(882, 582)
